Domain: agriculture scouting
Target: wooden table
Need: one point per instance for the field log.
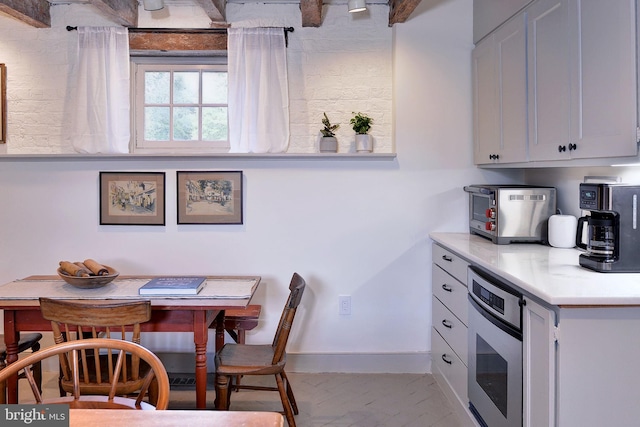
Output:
(19, 300)
(172, 418)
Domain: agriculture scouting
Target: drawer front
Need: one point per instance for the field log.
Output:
(450, 262)
(451, 293)
(451, 329)
(449, 365)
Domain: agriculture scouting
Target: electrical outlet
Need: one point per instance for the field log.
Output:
(344, 304)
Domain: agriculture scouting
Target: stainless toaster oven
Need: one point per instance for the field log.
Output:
(510, 213)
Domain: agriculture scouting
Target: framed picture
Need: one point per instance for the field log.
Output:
(210, 197)
(132, 198)
(3, 103)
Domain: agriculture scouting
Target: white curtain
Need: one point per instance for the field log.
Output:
(100, 102)
(258, 90)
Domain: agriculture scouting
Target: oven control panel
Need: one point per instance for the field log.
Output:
(488, 297)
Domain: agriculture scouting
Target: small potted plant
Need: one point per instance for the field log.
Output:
(361, 124)
(328, 143)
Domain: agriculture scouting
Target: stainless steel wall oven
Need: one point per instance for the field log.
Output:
(495, 351)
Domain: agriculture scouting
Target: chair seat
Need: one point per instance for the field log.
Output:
(95, 387)
(247, 359)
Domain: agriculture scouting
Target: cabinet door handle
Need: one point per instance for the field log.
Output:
(572, 147)
(447, 287)
(447, 258)
(448, 362)
(562, 148)
(447, 324)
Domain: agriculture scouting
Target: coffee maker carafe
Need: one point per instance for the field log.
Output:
(613, 233)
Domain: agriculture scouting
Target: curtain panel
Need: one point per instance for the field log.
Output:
(258, 90)
(100, 105)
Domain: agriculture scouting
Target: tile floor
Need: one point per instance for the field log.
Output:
(340, 400)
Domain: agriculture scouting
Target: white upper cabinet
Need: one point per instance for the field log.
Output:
(576, 60)
(549, 81)
(485, 102)
(603, 78)
(500, 97)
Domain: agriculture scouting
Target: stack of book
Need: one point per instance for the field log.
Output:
(173, 285)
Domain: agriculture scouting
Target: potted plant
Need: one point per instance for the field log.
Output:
(361, 124)
(328, 143)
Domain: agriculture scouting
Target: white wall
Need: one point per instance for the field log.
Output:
(567, 181)
(349, 227)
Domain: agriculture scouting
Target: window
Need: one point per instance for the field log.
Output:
(180, 104)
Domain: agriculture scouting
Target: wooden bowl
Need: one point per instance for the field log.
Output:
(89, 282)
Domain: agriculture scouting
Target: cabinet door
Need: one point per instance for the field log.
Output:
(603, 78)
(485, 102)
(539, 365)
(511, 52)
(548, 80)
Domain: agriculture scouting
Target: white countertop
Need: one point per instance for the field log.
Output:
(551, 274)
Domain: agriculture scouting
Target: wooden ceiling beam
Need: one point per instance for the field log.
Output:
(215, 9)
(157, 39)
(123, 12)
(400, 10)
(311, 13)
(33, 12)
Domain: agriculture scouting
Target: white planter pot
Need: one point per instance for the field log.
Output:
(364, 143)
(328, 144)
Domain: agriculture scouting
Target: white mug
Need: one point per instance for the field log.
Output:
(562, 231)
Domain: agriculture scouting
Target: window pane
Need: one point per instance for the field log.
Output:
(185, 123)
(156, 87)
(214, 124)
(214, 88)
(156, 123)
(185, 87)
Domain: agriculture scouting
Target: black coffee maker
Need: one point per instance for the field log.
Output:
(613, 227)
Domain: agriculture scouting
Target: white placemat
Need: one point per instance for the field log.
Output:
(121, 289)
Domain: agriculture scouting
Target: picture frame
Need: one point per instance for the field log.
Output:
(3, 103)
(132, 198)
(209, 197)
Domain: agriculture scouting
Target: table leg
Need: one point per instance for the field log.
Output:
(11, 342)
(200, 337)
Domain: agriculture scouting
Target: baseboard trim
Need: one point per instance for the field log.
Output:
(370, 363)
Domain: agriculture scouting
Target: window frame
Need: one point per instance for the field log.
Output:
(162, 63)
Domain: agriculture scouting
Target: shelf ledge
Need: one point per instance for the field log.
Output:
(218, 156)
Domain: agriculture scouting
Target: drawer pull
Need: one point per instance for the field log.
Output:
(447, 324)
(447, 361)
(447, 258)
(447, 287)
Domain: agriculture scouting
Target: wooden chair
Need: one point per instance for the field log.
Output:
(25, 342)
(237, 321)
(81, 320)
(249, 359)
(75, 352)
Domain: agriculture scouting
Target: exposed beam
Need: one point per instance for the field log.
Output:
(311, 13)
(123, 12)
(399, 10)
(215, 9)
(33, 12)
(156, 39)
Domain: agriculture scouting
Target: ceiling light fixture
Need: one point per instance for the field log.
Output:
(153, 4)
(357, 5)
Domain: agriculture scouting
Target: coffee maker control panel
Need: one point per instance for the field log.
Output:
(595, 197)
